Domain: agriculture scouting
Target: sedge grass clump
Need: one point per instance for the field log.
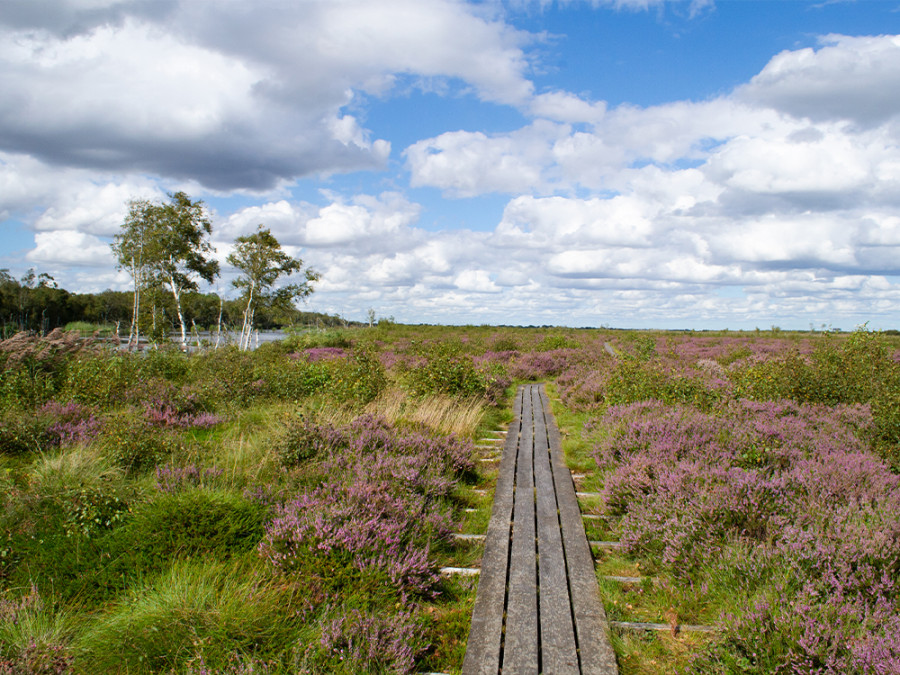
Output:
(34, 637)
(194, 611)
(439, 413)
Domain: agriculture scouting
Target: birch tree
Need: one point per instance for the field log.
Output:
(129, 247)
(167, 245)
(182, 250)
(262, 263)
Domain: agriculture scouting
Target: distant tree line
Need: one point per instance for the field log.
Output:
(36, 303)
(165, 249)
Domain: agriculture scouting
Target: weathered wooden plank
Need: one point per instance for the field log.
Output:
(483, 649)
(520, 650)
(591, 628)
(559, 654)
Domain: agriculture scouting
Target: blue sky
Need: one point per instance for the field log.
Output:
(632, 163)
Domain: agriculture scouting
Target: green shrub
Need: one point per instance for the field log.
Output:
(635, 380)
(102, 380)
(25, 386)
(292, 379)
(859, 369)
(446, 371)
(133, 443)
(359, 379)
(300, 440)
(90, 510)
(227, 375)
(556, 341)
(503, 343)
(319, 338)
(20, 433)
(169, 363)
(190, 522)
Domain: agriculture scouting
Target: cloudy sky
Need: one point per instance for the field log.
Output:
(629, 163)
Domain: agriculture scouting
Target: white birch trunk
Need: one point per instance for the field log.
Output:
(219, 323)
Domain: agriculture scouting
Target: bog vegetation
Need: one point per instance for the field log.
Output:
(288, 510)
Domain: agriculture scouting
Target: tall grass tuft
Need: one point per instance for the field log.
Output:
(444, 414)
(194, 610)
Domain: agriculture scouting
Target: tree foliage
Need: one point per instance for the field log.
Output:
(262, 263)
(166, 245)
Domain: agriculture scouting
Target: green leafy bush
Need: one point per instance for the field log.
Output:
(359, 379)
(556, 341)
(310, 339)
(133, 443)
(446, 371)
(190, 522)
(92, 509)
(20, 434)
(100, 379)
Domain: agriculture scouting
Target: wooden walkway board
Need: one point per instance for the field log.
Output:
(538, 609)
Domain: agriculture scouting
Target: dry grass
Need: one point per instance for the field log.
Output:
(444, 414)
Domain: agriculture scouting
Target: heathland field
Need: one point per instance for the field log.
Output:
(289, 510)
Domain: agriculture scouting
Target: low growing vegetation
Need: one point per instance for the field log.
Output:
(287, 510)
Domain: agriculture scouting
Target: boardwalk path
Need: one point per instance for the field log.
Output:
(538, 609)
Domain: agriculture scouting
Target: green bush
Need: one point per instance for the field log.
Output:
(102, 379)
(169, 363)
(133, 443)
(291, 379)
(227, 375)
(191, 522)
(90, 510)
(324, 338)
(358, 379)
(300, 440)
(446, 371)
(635, 380)
(20, 433)
(859, 369)
(26, 385)
(556, 341)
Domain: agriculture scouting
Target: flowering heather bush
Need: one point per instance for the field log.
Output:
(384, 514)
(179, 409)
(542, 364)
(792, 485)
(321, 353)
(37, 659)
(161, 414)
(171, 479)
(492, 357)
(364, 642)
(370, 522)
(70, 422)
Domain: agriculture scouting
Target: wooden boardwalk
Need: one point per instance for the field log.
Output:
(538, 607)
